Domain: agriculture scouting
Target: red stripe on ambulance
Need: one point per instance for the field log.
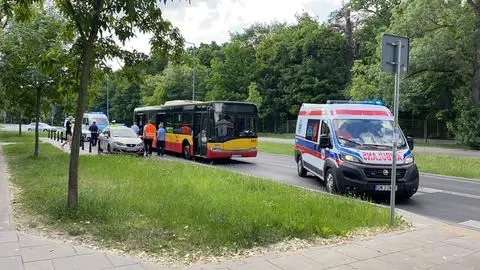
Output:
(362, 112)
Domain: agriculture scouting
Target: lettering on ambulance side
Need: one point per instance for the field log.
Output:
(380, 156)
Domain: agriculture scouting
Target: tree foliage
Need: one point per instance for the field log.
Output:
(33, 65)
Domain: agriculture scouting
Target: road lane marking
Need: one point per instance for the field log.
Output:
(429, 190)
(471, 223)
(433, 190)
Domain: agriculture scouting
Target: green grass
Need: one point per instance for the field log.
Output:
(279, 136)
(448, 165)
(12, 136)
(467, 167)
(446, 146)
(276, 148)
(169, 207)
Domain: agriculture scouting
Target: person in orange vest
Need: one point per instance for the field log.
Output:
(149, 134)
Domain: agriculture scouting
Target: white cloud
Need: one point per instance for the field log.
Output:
(214, 20)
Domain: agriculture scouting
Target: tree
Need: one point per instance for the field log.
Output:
(304, 62)
(232, 75)
(254, 96)
(96, 23)
(342, 19)
(174, 83)
(254, 34)
(16, 9)
(475, 4)
(33, 55)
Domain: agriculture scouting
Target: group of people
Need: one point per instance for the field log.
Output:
(69, 124)
(152, 137)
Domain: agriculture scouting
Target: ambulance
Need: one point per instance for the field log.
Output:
(348, 145)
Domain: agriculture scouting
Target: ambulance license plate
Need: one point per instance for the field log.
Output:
(385, 187)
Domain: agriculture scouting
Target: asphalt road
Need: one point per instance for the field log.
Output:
(447, 199)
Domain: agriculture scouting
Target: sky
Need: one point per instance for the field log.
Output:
(203, 21)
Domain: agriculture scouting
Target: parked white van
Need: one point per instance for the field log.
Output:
(100, 119)
(348, 145)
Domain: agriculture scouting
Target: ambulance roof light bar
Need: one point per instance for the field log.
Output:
(370, 102)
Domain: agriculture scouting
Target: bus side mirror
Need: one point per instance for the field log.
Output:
(324, 142)
(410, 142)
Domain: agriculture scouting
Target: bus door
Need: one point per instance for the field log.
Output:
(160, 118)
(141, 121)
(200, 133)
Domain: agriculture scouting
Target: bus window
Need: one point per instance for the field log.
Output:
(169, 123)
(187, 121)
(177, 118)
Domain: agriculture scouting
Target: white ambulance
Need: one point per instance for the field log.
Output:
(348, 145)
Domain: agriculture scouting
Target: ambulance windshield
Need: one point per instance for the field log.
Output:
(366, 134)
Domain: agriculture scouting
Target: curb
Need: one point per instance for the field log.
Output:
(463, 179)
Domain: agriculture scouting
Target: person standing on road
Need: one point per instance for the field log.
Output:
(135, 128)
(93, 133)
(68, 132)
(149, 134)
(161, 140)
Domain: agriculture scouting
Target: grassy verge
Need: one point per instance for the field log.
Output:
(279, 136)
(276, 148)
(428, 163)
(12, 136)
(449, 165)
(168, 207)
(446, 146)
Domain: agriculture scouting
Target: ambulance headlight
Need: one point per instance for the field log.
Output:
(349, 158)
(409, 160)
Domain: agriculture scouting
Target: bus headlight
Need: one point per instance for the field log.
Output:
(409, 160)
(349, 158)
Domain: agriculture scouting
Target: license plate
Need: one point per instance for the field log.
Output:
(236, 156)
(385, 187)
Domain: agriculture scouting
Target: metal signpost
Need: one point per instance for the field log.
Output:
(395, 50)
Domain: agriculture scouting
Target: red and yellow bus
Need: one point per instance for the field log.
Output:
(212, 130)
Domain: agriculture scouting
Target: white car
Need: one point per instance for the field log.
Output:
(120, 139)
(41, 127)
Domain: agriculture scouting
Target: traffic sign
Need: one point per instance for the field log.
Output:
(395, 50)
(390, 44)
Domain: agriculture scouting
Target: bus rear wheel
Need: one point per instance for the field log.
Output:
(186, 151)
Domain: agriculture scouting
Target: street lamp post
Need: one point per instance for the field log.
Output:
(193, 73)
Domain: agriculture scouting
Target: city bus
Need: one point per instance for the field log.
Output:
(211, 130)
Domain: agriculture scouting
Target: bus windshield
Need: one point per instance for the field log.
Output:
(235, 121)
(366, 134)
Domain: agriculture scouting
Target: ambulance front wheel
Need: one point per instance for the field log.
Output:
(331, 182)
(302, 172)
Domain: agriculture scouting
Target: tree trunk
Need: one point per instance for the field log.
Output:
(350, 54)
(86, 65)
(37, 117)
(20, 125)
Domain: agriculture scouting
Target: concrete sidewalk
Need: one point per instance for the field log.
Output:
(431, 245)
(66, 148)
